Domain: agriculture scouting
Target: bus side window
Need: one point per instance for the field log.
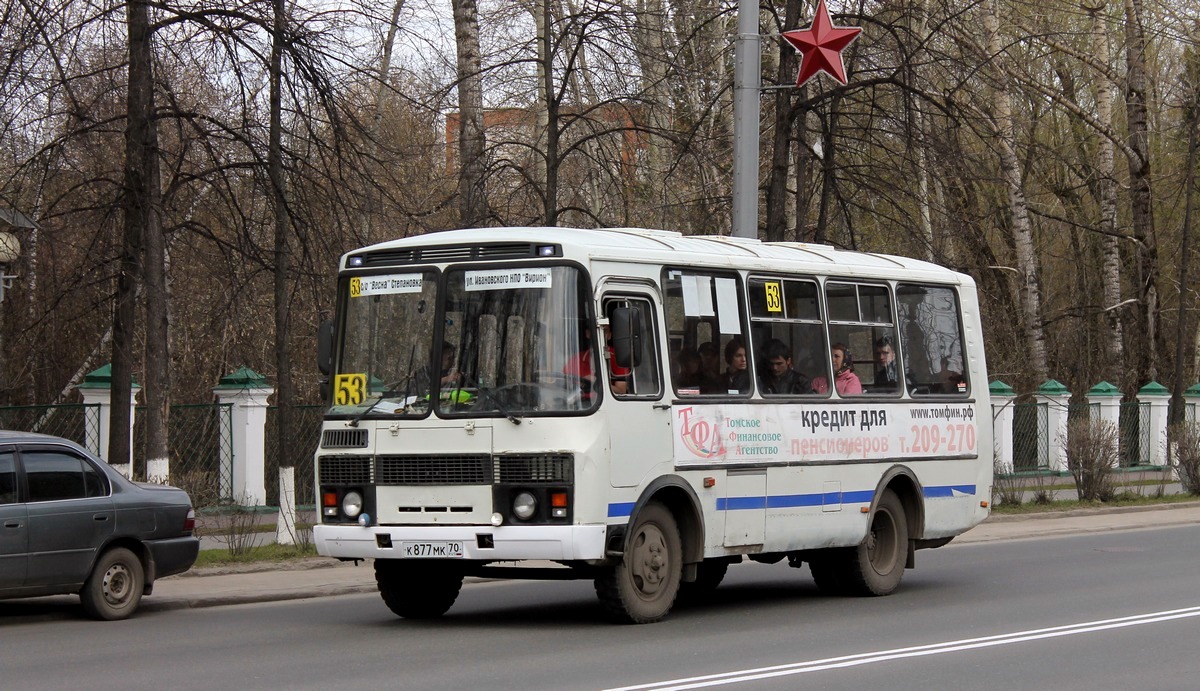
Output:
(710, 306)
(862, 330)
(931, 337)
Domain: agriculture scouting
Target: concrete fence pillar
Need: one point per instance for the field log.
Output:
(1191, 404)
(1106, 399)
(247, 392)
(96, 389)
(1058, 399)
(1159, 399)
(1002, 424)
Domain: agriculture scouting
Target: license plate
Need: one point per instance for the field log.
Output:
(443, 550)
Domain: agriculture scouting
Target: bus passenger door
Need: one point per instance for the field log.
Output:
(745, 507)
(635, 410)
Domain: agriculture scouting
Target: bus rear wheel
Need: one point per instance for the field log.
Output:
(417, 589)
(876, 565)
(641, 588)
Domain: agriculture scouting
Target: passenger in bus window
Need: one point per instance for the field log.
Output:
(886, 376)
(844, 379)
(737, 377)
(582, 366)
(710, 367)
(691, 379)
(779, 378)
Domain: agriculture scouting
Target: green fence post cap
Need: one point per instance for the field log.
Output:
(1192, 392)
(1052, 387)
(243, 378)
(1104, 389)
(1154, 389)
(101, 378)
(999, 388)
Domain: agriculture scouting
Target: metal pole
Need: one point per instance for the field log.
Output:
(746, 82)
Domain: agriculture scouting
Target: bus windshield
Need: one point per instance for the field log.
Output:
(387, 340)
(515, 342)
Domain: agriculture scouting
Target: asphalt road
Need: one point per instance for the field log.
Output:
(1103, 611)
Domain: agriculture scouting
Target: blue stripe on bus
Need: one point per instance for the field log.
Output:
(791, 501)
(949, 491)
(620, 510)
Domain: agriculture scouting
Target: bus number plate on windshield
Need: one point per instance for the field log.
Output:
(448, 550)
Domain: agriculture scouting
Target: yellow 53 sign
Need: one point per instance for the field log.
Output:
(349, 389)
(774, 295)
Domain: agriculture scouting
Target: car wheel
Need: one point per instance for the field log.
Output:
(114, 589)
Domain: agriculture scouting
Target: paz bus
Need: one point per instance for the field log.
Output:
(605, 404)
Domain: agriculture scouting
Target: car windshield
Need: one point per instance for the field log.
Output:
(387, 336)
(515, 343)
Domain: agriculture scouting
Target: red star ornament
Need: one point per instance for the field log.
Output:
(821, 46)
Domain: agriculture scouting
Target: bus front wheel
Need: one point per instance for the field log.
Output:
(417, 589)
(641, 588)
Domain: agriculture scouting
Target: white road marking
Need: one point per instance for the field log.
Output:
(916, 651)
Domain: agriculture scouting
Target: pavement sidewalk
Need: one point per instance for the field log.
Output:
(321, 577)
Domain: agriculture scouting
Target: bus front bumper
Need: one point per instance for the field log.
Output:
(487, 543)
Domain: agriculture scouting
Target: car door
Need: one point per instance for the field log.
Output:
(70, 514)
(14, 526)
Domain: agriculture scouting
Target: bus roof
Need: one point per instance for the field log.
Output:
(640, 245)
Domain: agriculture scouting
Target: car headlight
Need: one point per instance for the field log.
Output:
(524, 506)
(352, 504)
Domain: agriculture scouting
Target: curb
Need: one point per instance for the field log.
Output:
(1092, 511)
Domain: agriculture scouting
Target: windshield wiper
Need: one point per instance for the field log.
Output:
(487, 393)
(390, 388)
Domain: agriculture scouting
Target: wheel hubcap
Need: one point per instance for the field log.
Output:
(881, 542)
(117, 585)
(649, 565)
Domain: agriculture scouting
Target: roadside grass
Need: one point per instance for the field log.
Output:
(269, 552)
(1122, 498)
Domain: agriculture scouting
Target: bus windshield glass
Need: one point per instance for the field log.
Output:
(515, 342)
(388, 331)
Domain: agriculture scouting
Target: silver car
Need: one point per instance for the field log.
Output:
(69, 523)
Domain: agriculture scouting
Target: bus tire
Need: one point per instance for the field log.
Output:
(709, 574)
(641, 588)
(877, 564)
(828, 571)
(417, 589)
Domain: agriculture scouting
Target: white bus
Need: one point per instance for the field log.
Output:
(473, 429)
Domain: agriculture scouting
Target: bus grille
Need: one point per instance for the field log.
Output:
(345, 470)
(473, 469)
(552, 468)
(344, 439)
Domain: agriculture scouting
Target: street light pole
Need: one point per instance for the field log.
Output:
(747, 77)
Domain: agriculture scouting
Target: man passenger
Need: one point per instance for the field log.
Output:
(779, 378)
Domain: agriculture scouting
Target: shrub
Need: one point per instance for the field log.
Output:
(1185, 442)
(1006, 486)
(1091, 447)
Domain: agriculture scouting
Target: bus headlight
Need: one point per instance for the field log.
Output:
(352, 504)
(524, 506)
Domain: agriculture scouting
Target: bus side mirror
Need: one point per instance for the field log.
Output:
(626, 326)
(325, 346)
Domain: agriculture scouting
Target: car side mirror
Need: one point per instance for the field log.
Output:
(626, 326)
(325, 347)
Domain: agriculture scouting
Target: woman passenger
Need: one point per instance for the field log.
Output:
(844, 379)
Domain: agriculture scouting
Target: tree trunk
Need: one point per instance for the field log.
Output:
(472, 196)
(136, 211)
(283, 257)
(785, 115)
(1141, 199)
(1107, 192)
(1022, 230)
